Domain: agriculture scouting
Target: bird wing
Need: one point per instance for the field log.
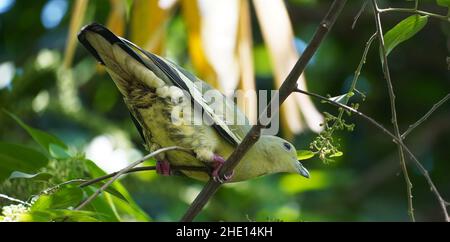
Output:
(238, 122)
(232, 128)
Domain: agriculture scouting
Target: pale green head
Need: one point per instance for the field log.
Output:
(282, 155)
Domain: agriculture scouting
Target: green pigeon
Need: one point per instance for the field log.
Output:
(166, 101)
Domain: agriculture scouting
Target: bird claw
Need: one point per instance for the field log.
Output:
(218, 163)
(163, 168)
(226, 178)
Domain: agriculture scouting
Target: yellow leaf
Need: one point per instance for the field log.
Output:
(116, 18)
(76, 21)
(148, 24)
(193, 20)
(293, 183)
(244, 50)
(279, 37)
(219, 31)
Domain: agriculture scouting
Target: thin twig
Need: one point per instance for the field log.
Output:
(442, 202)
(352, 88)
(288, 86)
(14, 200)
(361, 10)
(414, 11)
(146, 168)
(360, 65)
(54, 188)
(355, 79)
(51, 189)
(387, 76)
(425, 117)
(124, 170)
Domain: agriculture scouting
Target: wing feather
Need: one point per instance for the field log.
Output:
(226, 126)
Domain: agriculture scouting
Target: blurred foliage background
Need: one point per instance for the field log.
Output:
(53, 85)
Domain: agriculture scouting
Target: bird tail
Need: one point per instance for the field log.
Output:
(132, 69)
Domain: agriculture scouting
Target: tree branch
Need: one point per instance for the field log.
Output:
(145, 168)
(442, 202)
(288, 86)
(414, 11)
(387, 76)
(14, 200)
(425, 117)
(361, 10)
(355, 79)
(125, 170)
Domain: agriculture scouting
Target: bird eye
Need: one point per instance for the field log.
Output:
(287, 146)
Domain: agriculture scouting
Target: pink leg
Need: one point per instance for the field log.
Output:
(218, 163)
(163, 168)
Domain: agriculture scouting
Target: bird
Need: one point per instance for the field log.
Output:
(166, 101)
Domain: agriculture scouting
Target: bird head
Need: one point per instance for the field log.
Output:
(283, 155)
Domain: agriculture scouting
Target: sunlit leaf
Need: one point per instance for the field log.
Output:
(58, 152)
(279, 38)
(304, 154)
(64, 198)
(102, 205)
(293, 183)
(261, 58)
(111, 190)
(15, 157)
(66, 215)
(403, 31)
(339, 99)
(116, 18)
(42, 138)
(220, 46)
(245, 56)
(124, 209)
(41, 176)
(443, 3)
(338, 154)
(192, 17)
(128, 7)
(148, 22)
(76, 20)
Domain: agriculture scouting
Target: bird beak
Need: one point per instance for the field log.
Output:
(302, 170)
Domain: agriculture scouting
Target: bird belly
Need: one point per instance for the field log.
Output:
(202, 139)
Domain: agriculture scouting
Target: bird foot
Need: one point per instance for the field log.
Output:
(163, 168)
(218, 162)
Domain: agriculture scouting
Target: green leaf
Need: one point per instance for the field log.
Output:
(97, 172)
(128, 6)
(94, 169)
(337, 154)
(403, 31)
(102, 205)
(15, 157)
(304, 154)
(41, 176)
(60, 215)
(42, 138)
(443, 3)
(58, 152)
(293, 183)
(111, 190)
(126, 210)
(61, 199)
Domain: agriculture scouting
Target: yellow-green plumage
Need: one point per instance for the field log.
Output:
(154, 88)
